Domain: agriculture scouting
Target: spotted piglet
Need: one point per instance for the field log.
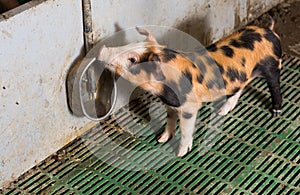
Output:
(183, 80)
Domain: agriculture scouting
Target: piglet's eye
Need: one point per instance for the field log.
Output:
(132, 60)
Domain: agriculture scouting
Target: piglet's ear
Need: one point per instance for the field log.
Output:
(150, 36)
(157, 71)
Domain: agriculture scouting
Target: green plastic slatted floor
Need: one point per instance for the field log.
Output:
(248, 151)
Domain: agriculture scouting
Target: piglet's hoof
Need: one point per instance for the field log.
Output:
(184, 149)
(276, 113)
(165, 136)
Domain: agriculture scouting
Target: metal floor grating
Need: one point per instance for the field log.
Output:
(252, 152)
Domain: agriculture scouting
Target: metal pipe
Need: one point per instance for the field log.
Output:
(88, 26)
(88, 44)
(100, 88)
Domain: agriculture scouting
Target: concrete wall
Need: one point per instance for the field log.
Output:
(37, 47)
(40, 41)
(207, 21)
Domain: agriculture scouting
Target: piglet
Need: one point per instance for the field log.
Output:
(183, 80)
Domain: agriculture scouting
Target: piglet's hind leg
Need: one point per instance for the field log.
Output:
(269, 68)
(274, 86)
(230, 103)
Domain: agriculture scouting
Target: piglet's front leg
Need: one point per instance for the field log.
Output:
(169, 132)
(187, 126)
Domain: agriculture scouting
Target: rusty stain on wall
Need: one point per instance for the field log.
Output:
(6, 34)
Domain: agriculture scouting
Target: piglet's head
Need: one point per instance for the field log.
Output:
(136, 62)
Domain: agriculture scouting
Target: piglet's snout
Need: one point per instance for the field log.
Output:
(110, 55)
(106, 56)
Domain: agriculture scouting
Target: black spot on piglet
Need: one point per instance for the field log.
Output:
(200, 78)
(235, 43)
(248, 38)
(168, 55)
(270, 36)
(243, 61)
(234, 74)
(169, 95)
(227, 51)
(187, 115)
(174, 94)
(235, 90)
(212, 48)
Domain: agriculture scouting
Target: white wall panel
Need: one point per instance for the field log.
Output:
(37, 47)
